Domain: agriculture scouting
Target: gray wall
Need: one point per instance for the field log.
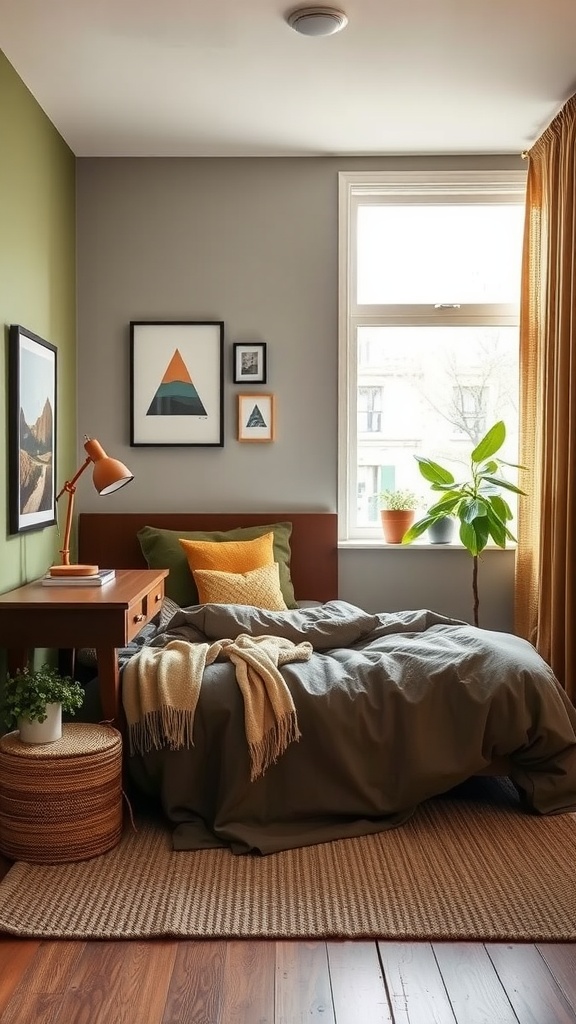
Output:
(252, 242)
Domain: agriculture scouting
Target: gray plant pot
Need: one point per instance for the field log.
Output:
(442, 532)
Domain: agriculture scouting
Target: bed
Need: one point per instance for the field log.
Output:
(373, 713)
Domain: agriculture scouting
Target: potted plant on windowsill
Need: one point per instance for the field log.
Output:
(397, 513)
(477, 503)
(33, 702)
(442, 531)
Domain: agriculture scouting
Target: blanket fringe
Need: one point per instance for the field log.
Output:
(166, 726)
(267, 750)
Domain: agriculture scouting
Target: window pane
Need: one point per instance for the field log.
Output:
(443, 253)
(431, 391)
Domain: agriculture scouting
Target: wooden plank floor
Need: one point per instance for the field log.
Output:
(267, 982)
(246, 982)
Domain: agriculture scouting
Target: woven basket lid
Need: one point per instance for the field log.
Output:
(77, 738)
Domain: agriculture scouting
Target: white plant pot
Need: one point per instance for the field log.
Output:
(47, 731)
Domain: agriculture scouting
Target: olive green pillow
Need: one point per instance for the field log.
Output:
(162, 550)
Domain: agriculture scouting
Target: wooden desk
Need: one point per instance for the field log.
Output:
(105, 617)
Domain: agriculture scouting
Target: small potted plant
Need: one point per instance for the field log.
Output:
(397, 513)
(33, 702)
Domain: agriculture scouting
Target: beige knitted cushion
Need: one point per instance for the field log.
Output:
(259, 587)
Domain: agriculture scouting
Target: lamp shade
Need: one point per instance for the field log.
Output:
(108, 474)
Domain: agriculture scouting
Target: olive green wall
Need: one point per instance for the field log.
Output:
(37, 288)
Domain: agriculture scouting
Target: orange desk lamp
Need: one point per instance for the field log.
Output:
(109, 475)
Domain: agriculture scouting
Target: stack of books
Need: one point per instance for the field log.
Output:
(97, 579)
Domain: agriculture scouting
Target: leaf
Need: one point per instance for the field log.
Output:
(481, 527)
(500, 482)
(417, 529)
(501, 508)
(432, 472)
(490, 443)
(449, 487)
(446, 506)
(472, 509)
(497, 529)
(486, 488)
(468, 537)
(513, 465)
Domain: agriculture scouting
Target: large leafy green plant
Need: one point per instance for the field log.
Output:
(477, 502)
(27, 693)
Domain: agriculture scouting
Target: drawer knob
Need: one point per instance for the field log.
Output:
(158, 598)
(138, 618)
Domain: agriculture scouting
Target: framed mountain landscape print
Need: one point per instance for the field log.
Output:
(176, 383)
(31, 431)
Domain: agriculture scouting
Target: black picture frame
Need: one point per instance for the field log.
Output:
(249, 362)
(32, 431)
(176, 383)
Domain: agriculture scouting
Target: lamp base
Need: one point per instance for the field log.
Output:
(74, 570)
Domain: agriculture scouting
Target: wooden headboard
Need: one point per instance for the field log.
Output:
(109, 539)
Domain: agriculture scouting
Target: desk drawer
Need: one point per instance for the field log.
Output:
(140, 612)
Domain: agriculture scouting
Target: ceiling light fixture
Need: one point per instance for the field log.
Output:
(317, 21)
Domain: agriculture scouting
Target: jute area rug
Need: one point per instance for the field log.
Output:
(467, 867)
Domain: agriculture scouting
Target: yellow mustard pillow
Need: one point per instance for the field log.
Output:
(259, 587)
(229, 555)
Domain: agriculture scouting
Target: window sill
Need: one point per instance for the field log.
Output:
(374, 544)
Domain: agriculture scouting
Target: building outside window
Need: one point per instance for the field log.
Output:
(429, 302)
(369, 410)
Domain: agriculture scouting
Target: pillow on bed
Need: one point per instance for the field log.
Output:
(259, 587)
(229, 555)
(162, 550)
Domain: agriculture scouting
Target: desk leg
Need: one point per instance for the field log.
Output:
(109, 684)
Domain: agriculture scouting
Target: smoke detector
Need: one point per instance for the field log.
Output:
(317, 21)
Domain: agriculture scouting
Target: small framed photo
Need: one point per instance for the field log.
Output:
(249, 364)
(31, 431)
(256, 417)
(176, 383)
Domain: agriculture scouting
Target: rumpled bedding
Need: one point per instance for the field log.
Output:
(392, 708)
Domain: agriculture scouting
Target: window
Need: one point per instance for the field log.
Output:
(429, 306)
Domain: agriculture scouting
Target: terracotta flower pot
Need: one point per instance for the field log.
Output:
(395, 522)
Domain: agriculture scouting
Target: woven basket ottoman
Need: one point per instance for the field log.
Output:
(61, 801)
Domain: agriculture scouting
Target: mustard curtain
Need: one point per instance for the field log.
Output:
(545, 600)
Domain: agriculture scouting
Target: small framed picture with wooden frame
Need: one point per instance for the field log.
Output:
(256, 417)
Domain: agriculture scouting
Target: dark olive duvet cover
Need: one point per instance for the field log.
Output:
(392, 708)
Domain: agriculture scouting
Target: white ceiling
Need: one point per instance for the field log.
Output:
(230, 78)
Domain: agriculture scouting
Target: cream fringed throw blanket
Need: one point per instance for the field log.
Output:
(161, 687)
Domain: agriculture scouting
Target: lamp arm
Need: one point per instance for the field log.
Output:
(70, 488)
(70, 485)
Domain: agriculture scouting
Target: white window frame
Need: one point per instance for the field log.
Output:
(390, 187)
